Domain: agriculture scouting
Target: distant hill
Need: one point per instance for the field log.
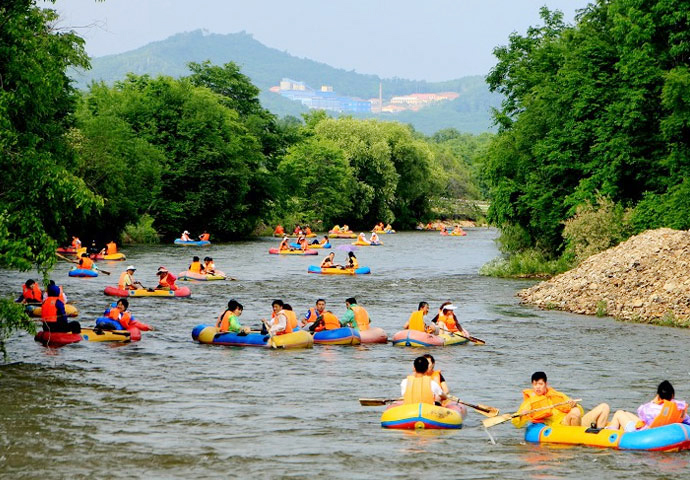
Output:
(266, 66)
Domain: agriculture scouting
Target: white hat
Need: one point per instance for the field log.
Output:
(131, 267)
(185, 232)
(450, 306)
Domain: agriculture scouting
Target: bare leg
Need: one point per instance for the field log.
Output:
(621, 418)
(599, 415)
(572, 418)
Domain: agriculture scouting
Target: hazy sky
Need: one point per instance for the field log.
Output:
(430, 40)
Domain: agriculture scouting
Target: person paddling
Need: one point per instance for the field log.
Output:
(447, 321)
(419, 387)
(185, 236)
(127, 282)
(314, 312)
(541, 395)
(85, 263)
(31, 293)
(209, 266)
(195, 266)
(664, 409)
(436, 375)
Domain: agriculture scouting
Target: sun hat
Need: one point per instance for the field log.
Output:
(450, 307)
(131, 267)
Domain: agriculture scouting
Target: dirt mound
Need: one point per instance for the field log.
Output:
(644, 279)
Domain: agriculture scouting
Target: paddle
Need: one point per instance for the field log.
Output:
(490, 422)
(77, 263)
(377, 402)
(270, 341)
(475, 340)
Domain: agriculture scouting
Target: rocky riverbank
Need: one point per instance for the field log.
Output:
(644, 279)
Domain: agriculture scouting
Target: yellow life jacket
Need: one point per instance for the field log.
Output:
(416, 321)
(361, 318)
(418, 390)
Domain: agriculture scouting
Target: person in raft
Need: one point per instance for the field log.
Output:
(205, 237)
(326, 321)
(436, 375)
(362, 238)
(76, 243)
(374, 239)
(664, 409)
(285, 244)
(278, 324)
(31, 293)
(228, 321)
(314, 312)
(447, 321)
(541, 395)
(325, 241)
(279, 230)
(420, 387)
(85, 263)
(355, 316)
(185, 236)
(291, 316)
(53, 314)
(302, 242)
(93, 249)
(121, 314)
(61, 295)
(195, 266)
(127, 281)
(328, 260)
(209, 266)
(166, 280)
(416, 320)
(110, 249)
(351, 261)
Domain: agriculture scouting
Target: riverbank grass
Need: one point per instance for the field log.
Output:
(530, 263)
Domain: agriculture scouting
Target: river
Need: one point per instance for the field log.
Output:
(166, 407)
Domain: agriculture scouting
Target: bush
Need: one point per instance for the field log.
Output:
(530, 263)
(142, 232)
(594, 228)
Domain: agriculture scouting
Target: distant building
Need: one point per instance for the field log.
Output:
(323, 99)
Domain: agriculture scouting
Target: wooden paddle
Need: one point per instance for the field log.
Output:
(475, 340)
(77, 263)
(378, 402)
(490, 422)
(485, 410)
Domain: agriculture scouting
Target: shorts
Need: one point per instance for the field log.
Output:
(630, 426)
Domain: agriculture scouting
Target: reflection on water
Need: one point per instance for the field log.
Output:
(166, 407)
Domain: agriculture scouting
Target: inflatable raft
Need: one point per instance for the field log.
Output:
(668, 438)
(338, 336)
(342, 235)
(98, 335)
(423, 415)
(415, 338)
(196, 243)
(112, 257)
(209, 335)
(339, 271)
(142, 292)
(275, 251)
(67, 250)
(373, 335)
(453, 339)
(316, 245)
(201, 277)
(35, 310)
(293, 235)
(54, 339)
(367, 244)
(82, 272)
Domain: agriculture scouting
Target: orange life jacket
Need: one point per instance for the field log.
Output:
(49, 310)
(274, 317)
(210, 267)
(86, 263)
(33, 293)
(118, 315)
(416, 321)
(436, 376)
(284, 245)
(112, 248)
(670, 413)
(279, 230)
(330, 321)
(291, 323)
(361, 317)
(223, 322)
(311, 315)
(76, 243)
(324, 241)
(122, 282)
(205, 237)
(418, 390)
(449, 322)
(168, 281)
(61, 296)
(307, 231)
(533, 401)
(195, 267)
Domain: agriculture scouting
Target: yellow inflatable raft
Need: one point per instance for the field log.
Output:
(98, 335)
(423, 415)
(35, 311)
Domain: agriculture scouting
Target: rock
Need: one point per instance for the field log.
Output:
(645, 279)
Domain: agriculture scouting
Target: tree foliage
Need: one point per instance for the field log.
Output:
(600, 107)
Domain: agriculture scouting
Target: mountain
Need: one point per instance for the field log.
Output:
(470, 112)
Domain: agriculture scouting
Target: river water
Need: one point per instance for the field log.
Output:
(167, 407)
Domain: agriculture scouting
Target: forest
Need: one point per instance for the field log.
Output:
(593, 131)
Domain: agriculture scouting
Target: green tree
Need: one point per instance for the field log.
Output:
(39, 194)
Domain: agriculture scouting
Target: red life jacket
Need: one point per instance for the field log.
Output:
(33, 293)
(49, 310)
